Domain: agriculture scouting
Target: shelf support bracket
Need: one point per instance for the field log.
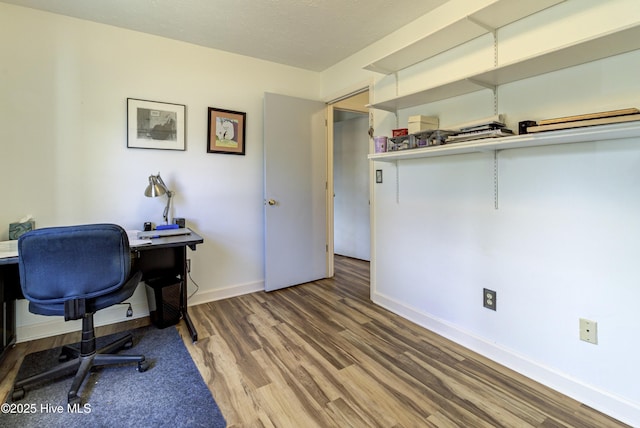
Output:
(489, 28)
(495, 64)
(397, 181)
(395, 112)
(397, 82)
(483, 84)
(494, 32)
(493, 88)
(495, 179)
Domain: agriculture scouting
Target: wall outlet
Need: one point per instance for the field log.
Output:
(589, 331)
(489, 299)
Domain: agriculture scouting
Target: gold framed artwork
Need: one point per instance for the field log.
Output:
(226, 131)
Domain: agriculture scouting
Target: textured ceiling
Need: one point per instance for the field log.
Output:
(309, 34)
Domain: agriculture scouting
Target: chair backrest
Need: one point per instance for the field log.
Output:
(73, 262)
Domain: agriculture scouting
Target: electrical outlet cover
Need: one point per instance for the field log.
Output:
(489, 299)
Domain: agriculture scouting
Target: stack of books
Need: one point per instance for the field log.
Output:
(492, 127)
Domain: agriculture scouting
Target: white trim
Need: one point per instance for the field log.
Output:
(330, 220)
(603, 401)
(362, 87)
(225, 293)
(355, 89)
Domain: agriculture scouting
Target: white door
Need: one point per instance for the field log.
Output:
(295, 179)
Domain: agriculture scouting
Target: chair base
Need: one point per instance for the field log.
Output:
(81, 365)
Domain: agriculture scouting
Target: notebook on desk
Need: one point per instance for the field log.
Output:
(163, 233)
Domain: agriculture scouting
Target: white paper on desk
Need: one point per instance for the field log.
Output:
(134, 241)
(8, 249)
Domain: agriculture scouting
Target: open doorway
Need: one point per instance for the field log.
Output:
(351, 208)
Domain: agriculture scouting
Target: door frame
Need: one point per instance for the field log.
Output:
(341, 102)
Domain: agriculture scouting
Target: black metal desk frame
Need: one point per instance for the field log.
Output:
(168, 257)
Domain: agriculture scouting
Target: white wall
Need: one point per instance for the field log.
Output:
(563, 243)
(351, 187)
(63, 89)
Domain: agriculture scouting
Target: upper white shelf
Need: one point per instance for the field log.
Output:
(482, 21)
(608, 44)
(576, 135)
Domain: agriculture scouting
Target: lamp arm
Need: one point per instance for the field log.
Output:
(164, 186)
(165, 213)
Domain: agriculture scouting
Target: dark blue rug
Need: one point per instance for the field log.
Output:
(170, 393)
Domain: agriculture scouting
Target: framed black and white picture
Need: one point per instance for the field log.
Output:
(155, 125)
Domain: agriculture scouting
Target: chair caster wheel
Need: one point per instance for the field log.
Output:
(67, 354)
(143, 366)
(17, 394)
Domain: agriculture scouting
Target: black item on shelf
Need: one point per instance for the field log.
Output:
(522, 126)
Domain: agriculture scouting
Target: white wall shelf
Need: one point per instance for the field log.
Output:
(549, 138)
(482, 21)
(608, 44)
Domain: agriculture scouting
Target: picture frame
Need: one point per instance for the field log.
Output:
(378, 176)
(226, 131)
(155, 125)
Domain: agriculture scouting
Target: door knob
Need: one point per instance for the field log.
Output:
(271, 202)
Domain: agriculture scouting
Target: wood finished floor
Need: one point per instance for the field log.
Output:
(322, 355)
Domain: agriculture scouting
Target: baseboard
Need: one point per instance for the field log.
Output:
(225, 293)
(52, 326)
(604, 402)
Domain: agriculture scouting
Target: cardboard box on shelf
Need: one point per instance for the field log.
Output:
(421, 123)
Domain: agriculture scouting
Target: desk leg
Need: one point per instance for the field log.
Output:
(190, 326)
(183, 298)
(9, 286)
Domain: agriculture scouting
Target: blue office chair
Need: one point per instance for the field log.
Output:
(75, 271)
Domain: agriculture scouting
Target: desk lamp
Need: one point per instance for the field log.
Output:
(157, 187)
